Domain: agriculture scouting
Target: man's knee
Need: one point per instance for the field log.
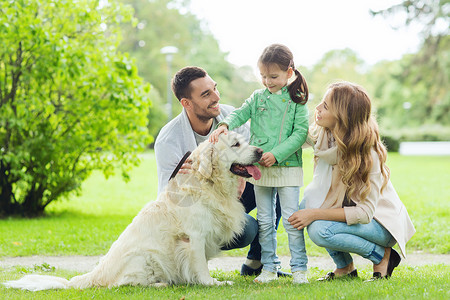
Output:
(246, 237)
(250, 229)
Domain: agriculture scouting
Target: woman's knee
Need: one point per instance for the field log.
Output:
(318, 232)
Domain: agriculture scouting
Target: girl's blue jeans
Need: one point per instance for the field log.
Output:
(339, 239)
(265, 203)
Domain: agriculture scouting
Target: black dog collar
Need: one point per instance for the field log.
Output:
(175, 172)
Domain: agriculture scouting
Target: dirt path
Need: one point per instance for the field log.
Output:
(225, 263)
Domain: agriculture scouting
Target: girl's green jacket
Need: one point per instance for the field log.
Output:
(278, 125)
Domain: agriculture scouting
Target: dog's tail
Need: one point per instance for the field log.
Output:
(38, 283)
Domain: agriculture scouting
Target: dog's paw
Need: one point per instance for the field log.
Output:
(160, 284)
(217, 282)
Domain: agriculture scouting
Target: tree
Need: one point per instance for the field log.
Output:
(423, 77)
(342, 64)
(69, 102)
(163, 23)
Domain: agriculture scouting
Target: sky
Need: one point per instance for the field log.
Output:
(310, 28)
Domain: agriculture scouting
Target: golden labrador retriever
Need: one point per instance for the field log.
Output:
(171, 239)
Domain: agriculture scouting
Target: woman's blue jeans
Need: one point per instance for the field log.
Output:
(265, 203)
(339, 239)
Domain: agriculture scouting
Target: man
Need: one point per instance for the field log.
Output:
(198, 94)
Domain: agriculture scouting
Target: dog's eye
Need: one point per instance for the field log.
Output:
(236, 144)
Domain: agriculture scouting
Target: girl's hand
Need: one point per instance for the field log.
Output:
(302, 218)
(267, 160)
(214, 137)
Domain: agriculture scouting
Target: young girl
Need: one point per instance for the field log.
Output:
(279, 125)
(351, 205)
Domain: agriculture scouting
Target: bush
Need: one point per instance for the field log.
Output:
(392, 144)
(393, 137)
(69, 103)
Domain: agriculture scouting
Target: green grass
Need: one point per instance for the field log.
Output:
(88, 224)
(429, 282)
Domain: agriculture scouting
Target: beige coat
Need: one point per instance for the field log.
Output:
(385, 207)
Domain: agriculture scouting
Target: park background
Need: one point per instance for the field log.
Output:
(84, 93)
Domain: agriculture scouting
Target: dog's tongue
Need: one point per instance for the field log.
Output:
(254, 171)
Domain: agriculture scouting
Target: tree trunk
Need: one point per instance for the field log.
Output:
(8, 205)
(31, 207)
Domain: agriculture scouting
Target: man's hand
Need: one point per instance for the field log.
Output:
(214, 137)
(267, 160)
(186, 167)
(241, 186)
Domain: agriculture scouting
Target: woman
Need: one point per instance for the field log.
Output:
(351, 205)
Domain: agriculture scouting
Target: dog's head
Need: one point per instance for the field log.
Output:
(231, 153)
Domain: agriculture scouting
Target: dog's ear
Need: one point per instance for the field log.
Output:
(206, 161)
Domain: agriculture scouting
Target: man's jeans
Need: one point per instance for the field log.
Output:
(250, 234)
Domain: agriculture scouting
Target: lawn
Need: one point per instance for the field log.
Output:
(87, 224)
(408, 283)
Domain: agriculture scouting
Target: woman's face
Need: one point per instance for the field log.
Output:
(324, 117)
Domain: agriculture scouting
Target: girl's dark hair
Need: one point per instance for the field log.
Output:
(282, 56)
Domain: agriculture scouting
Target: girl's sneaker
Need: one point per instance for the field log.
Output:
(266, 276)
(300, 277)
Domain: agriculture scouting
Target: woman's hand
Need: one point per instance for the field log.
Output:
(302, 218)
(267, 160)
(214, 137)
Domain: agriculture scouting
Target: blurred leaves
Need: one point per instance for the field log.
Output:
(69, 101)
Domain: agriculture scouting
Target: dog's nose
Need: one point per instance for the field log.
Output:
(259, 151)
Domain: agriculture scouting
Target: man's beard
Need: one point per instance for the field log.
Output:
(206, 117)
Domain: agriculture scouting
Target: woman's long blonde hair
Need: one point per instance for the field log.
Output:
(356, 134)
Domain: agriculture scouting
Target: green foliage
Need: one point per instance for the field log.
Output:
(392, 144)
(69, 102)
(416, 91)
(163, 23)
(393, 137)
(407, 93)
(335, 65)
(45, 267)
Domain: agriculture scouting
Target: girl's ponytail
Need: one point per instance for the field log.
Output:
(298, 89)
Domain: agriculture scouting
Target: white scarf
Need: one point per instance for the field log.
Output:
(316, 192)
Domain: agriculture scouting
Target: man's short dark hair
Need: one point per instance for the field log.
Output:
(182, 79)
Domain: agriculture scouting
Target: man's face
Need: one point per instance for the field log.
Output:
(205, 98)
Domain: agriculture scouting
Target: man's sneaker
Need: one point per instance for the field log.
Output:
(266, 276)
(247, 271)
(300, 277)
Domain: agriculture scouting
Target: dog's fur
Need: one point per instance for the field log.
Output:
(171, 239)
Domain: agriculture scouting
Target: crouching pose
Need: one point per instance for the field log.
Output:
(351, 205)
